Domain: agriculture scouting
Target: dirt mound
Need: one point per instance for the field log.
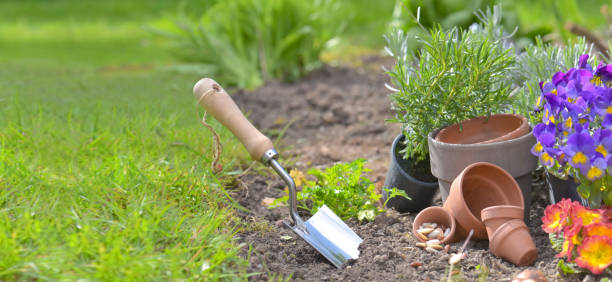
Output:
(338, 114)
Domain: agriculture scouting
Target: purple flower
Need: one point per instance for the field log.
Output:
(595, 169)
(604, 72)
(582, 62)
(603, 141)
(580, 148)
(559, 77)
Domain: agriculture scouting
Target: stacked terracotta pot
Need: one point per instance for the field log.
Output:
(487, 199)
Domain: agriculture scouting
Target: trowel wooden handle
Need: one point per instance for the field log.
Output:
(219, 104)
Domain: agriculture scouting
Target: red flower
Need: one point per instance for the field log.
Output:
(599, 229)
(572, 238)
(552, 221)
(595, 254)
(585, 215)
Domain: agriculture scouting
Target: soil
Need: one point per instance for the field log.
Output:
(338, 114)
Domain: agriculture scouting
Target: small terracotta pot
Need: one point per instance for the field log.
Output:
(512, 242)
(479, 186)
(483, 130)
(493, 217)
(437, 215)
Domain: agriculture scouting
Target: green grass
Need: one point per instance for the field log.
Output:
(104, 165)
(106, 176)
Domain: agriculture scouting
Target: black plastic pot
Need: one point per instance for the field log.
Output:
(559, 189)
(420, 193)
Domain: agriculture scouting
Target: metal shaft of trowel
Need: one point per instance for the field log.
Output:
(269, 158)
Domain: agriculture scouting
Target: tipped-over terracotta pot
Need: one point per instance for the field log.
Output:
(438, 215)
(483, 130)
(493, 217)
(512, 242)
(479, 186)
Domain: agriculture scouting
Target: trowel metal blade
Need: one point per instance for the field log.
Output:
(329, 235)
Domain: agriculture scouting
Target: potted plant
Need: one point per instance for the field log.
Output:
(537, 63)
(574, 136)
(457, 75)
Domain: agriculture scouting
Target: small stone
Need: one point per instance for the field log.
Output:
(425, 231)
(535, 275)
(435, 234)
(433, 242)
(431, 250)
(421, 244)
(446, 232)
(267, 201)
(416, 264)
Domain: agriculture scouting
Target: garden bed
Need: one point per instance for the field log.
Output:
(338, 114)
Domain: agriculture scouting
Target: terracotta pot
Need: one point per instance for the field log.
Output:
(437, 215)
(483, 130)
(493, 217)
(421, 193)
(479, 186)
(448, 160)
(512, 242)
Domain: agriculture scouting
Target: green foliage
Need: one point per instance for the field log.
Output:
(246, 42)
(342, 188)
(394, 192)
(556, 240)
(568, 267)
(540, 62)
(483, 273)
(458, 74)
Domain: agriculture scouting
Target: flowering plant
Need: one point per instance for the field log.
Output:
(575, 133)
(581, 235)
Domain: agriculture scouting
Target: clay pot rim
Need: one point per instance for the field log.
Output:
(452, 226)
(492, 145)
(396, 142)
(507, 228)
(470, 167)
(523, 121)
(488, 212)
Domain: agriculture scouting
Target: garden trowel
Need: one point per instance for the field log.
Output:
(324, 231)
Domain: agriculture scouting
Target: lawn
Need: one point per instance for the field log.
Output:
(104, 165)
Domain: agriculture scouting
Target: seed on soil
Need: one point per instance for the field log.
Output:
(421, 244)
(446, 249)
(455, 258)
(425, 231)
(436, 246)
(416, 264)
(433, 242)
(431, 250)
(435, 234)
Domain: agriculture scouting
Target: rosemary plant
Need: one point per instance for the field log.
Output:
(456, 75)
